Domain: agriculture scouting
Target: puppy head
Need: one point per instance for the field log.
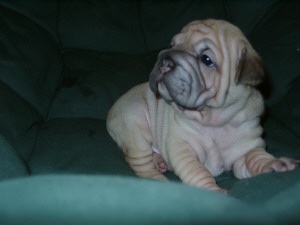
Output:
(206, 60)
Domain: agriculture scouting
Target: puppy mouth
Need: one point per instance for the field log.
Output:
(176, 77)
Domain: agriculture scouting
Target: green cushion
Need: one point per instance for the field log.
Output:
(92, 82)
(18, 121)
(121, 31)
(276, 38)
(43, 13)
(113, 200)
(12, 165)
(91, 151)
(30, 59)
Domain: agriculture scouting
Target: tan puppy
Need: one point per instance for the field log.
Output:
(199, 112)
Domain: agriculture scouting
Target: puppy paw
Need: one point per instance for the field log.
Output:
(160, 163)
(280, 165)
(220, 190)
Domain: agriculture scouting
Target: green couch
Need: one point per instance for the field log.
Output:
(62, 66)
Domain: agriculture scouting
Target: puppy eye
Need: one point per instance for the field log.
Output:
(206, 61)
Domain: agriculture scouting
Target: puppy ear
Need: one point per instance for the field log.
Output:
(250, 70)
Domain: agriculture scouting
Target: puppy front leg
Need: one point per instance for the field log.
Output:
(143, 166)
(187, 166)
(140, 159)
(258, 161)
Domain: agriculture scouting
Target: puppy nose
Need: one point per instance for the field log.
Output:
(167, 65)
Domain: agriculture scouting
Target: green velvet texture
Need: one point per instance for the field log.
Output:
(11, 165)
(64, 63)
(30, 60)
(93, 81)
(92, 151)
(19, 121)
(107, 200)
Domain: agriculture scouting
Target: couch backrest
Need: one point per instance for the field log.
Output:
(139, 27)
(30, 69)
(35, 35)
(133, 26)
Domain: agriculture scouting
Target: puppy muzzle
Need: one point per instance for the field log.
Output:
(176, 77)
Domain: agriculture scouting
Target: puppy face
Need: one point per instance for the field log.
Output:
(206, 59)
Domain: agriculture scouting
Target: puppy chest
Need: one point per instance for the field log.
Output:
(215, 148)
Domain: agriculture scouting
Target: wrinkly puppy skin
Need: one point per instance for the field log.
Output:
(199, 114)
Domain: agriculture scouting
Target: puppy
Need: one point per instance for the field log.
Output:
(199, 114)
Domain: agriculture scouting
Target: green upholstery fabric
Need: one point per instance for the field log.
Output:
(62, 66)
(114, 200)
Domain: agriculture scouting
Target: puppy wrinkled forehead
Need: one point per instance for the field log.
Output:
(189, 32)
(209, 25)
